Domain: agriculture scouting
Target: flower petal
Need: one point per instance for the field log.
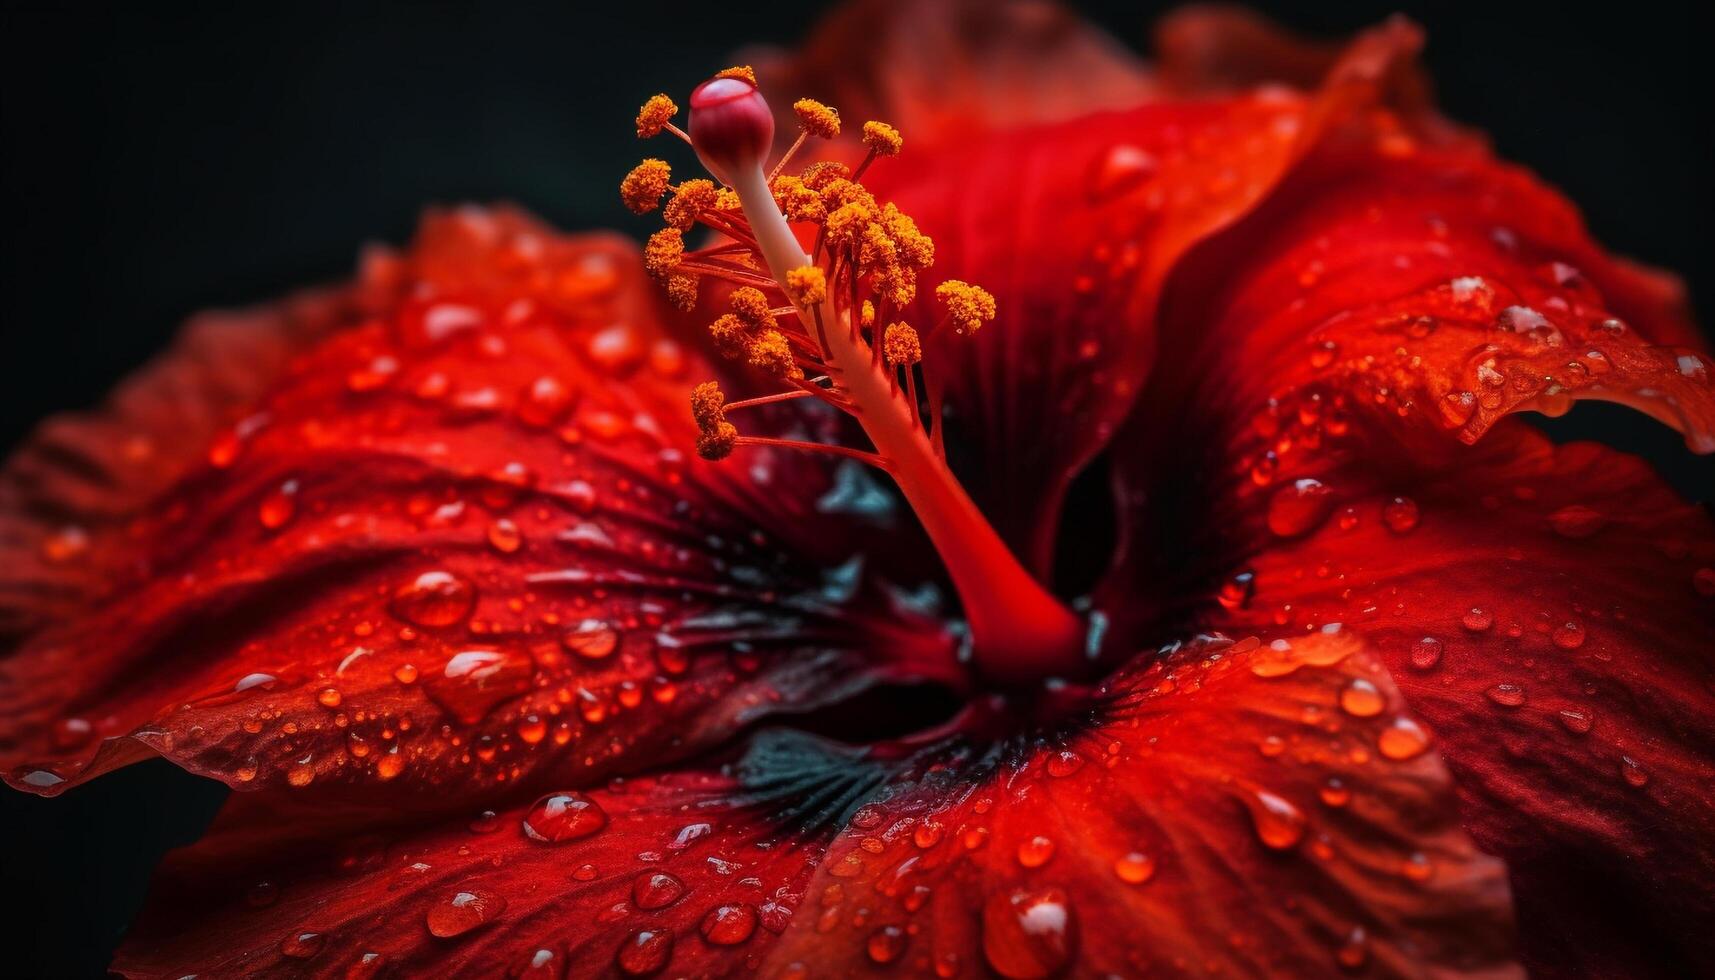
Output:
(1075, 229)
(659, 873)
(943, 70)
(1548, 612)
(1242, 809)
(450, 550)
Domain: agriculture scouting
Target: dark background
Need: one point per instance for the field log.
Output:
(161, 159)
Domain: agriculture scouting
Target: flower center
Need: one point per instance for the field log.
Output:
(829, 324)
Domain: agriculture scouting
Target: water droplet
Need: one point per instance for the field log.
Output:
(542, 963)
(591, 639)
(645, 952)
(1278, 824)
(1569, 635)
(927, 834)
(1576, 720)
(656, 891)
(262, 894)
(544, 402)
(1402, 740)
(1134, 868)
(405, 674)
(1477, 619)
(560, 817)
(1426, 653)
(729, 925)
(1400, 515)
(1322, 353)
(303, 945)
(328, 697)
(1035, 852)
(486, 822)
(504, 536)
(1119, 169)
(278, 506)
(1417, 866)
(473, 682)
(1457, 407)
(1506, 695)
(1361, 699)
(1064, 763)
(1028, 933)
(1634, 773)
(1236, 592)
(887, 944)
(434, 598)
(1355, 951)
(1299, 507)
(464, 911)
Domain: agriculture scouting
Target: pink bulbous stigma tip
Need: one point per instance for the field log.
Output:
(731, 126)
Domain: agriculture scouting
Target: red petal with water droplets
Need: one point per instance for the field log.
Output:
(660, 874)
(456, 544)
(1430, 286)
(1548, 612)
(1244, 810)
(1075, 229)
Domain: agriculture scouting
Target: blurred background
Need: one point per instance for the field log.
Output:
(165, 158)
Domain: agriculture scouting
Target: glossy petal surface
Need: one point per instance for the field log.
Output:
(457, 545)
(1234, 812)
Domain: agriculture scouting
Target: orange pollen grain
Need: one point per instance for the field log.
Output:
(642, 188)
(655, 115)
(819, 120)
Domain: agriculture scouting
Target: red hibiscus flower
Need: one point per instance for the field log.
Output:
(551, 620)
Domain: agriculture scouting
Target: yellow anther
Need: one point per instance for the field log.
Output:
(817, 175)
(882, 139)
(837, 192)
(689, 202)
(847, 224)
(706, 401)
(655, 115)
(727, 200)
(818, 119)
(682, 292)
(738, 71)
(807, 285)
(751, 306)
(798, 202)
(866, 318)
(771, 352)
(915, 248)
(642, 188)
(897, 285)
(664, 251)
(731, 336)
(900, 345)
(969, 306)
(716, 442)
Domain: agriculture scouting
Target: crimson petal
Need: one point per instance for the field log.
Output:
(448, 551)
(1249, 809)
(1547, 611)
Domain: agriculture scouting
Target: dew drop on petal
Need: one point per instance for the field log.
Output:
(1028, 933)
(279, 506)
(1335, 793)
(1506, 695)
(434, 598)
(1354, 952)
(591, 639)
(1134, 868)
(463, 911)
(1402, 740)
(1426, 653)
(542, 963)
(1278, 824)
(1034, 852)
(1477, 619)
(1299, 507)
(1633, 772)
(729, 925)
(303, 945)
(504, 536)
(367, 966)
(1569, 635)
(1361, 699)
(1064, 763)
(1401, 515)
(656, 891)
(560, 817)
(1578, 721)
(645, 952)
(887, 944)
